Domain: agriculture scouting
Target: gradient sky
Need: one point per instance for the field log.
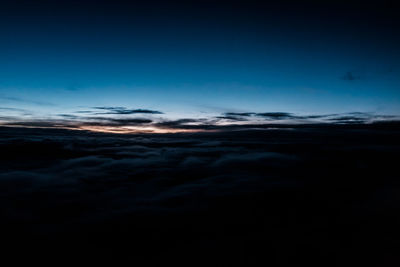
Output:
(199, 58)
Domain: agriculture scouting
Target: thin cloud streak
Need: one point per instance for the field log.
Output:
(125, 111)
(349, 76)
(23, 100)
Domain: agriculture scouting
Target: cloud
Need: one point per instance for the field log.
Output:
(69, 116)
(315, 116)
(39, 123)
(349, 76)
(72, 121)
(126, 111)
(358, 118)
(145, 171)
(104, 121)
(241, 114)
(214, 189)
(228, 121)
(179, 123)
(81, 158)
(84, 111)
(24, 100)
(232, 118)
(265, 115)
(236, 116)
(277, 115)
(12, 109)
(348, 119)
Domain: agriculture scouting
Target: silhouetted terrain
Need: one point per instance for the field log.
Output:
(314, 195)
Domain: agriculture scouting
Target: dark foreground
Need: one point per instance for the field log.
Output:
(315, 196)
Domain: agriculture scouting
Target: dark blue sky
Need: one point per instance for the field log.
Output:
(199, 59)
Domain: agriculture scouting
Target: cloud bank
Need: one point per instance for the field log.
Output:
(240, 193)
(124, 120)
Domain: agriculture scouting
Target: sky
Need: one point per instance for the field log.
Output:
(69, 60)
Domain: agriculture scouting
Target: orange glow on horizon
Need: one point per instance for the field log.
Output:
(137, 130)
(113, 129)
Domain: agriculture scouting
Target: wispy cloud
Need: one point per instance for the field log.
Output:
(125, 111)
(241, 114)
(116, 121)
(350, 76)
(24, 100)
(277, 115)
(12, 109)
(233, 118)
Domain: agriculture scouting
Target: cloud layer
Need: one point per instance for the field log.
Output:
(240, 193)
(125, 120)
